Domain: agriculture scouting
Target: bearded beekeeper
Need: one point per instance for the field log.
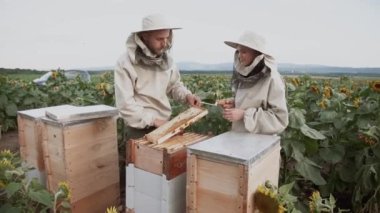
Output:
(146, 76)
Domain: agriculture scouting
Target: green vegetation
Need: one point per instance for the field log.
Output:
(21, 74)
(330, 150)
(18, 194)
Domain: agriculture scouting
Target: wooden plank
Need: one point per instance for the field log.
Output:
(181, 141)
(46, 158)
(98, 202)
(174, 163)
(96, 149)
(89, 131)
(243, 184)
(176, 125)
(218, 183)
(21, 136)
(30, 138)
(149, 159)
(168, 158)
(130, 151)
(53, 156)
(88, 167)
(83, 186)
(209, 201)
(191, 184)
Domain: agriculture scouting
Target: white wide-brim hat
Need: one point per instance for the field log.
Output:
(155, 22)
(251, 40)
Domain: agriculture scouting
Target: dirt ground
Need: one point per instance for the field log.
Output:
(9, 140)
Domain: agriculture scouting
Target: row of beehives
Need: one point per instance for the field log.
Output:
(221, 174)
(82, 152)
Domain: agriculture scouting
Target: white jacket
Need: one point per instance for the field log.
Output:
(142, 91)
(264, 105)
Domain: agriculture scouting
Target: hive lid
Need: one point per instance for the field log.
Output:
(68, 113)
(237, 147)
(176, 125)
(40, 112)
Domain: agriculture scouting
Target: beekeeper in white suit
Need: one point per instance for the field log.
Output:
(259, 103)
(146, 76)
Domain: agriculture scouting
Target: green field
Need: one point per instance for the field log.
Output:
(330, 147)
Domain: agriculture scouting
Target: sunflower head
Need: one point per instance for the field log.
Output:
(112, 209)
(296, 82)
(357, 102)
(266, 200)
(315, 199)
(327, 92)
(323, 104)
(314, 89)
(54, 74)
(6, 164)
(6, 153)
(64, 186)
(345, 91)
(375, 86)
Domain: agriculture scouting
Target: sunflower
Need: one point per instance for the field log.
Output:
(101, 86)
(6, 164)
(375, 86)
(327, 92)
(296, 82)
(315, 199)
(314, 89)
(266, 201)
(54, 74)
(367, 139)
(323, 104)
(112, 209)
(345, 91)
(64, 186)
(6, 153)
(357, 102)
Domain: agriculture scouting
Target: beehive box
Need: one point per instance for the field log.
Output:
(30, 140)
(84, 154)
(156, 174)
(224, 171)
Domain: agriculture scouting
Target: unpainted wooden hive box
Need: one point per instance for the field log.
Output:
(84, 154)
(224, 171)
(167, 159)
(30, 140)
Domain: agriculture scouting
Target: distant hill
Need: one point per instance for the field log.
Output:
(286, 68)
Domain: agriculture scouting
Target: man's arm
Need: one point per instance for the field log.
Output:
(179, 92)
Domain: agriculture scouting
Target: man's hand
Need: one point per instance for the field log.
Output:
(233, 114)
(159, 122)
(193, 100)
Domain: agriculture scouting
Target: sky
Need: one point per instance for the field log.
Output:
(68, 34)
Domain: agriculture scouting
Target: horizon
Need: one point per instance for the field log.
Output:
(207, 65)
